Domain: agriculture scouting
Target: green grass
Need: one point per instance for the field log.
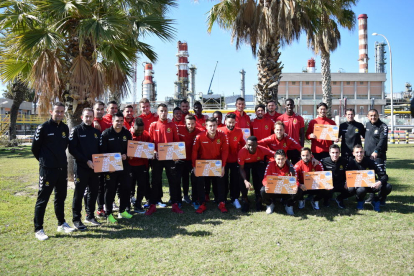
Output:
(326, 242)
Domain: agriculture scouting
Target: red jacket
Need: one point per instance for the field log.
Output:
(201, 123)
(188, 138)
(205, 148)
(293, 125)
(220, 125)
(180, 123)
(128, 125)
(108, 119)
(273, 169)
(262, 128)
(236, 142)
(261, 152)
(242, 121)
(273, 118)
(135, 161)
(183, 118)
(317, 145)
(103, 123)
(163, 132)
(301, 167)
(286, 143)
(148, 119)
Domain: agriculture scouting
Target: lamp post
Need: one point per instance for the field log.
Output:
(392, 95)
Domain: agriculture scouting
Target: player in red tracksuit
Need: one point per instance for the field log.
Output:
(279, 168)
(261, 127)
(129, 117)
(147, 116)
(211, 145)
(164, 131)
(111, 110)
(320, 148)
(242, 119)
(187, 134)
(177, 117)
(306, 165)
(253, 160)
(200, 118)
(219, 116)
(236, 142)
(185, 107)
(271, 111)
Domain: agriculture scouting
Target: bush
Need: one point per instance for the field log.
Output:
(5, 142)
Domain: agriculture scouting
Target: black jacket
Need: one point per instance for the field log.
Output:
(83, 142)
(49, 144)
(368, 164)
(376, 139)
(338, 169)
(351, 133)
(112, 142)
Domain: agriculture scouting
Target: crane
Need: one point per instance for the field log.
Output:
(209, 91)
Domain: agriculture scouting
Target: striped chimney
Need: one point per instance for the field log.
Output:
(182, 61)
(363, 43)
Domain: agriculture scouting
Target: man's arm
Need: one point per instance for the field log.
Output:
(196, 146)
(309, 131)
(103, 143)
(37, 141)
(73, 146)
(383, 139)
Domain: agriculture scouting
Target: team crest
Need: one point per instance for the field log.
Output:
(295, 121)
(356, 130)
(168, 130)
(218, 141)
(108, 177)
(313, 170)
(376, 131)
(341, 167)
(258, 158)
(284, 145)
(47, 183)
(63, 134)
(77, 180)
(286, 174)
(266, 127)
(96, 136)
(235, 138)
(203, 124)
(124, 138)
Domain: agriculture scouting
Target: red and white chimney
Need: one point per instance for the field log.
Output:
(182, 61)
(363, 43)
(147, 84)
(311, 66)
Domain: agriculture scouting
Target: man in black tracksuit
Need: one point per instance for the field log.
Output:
(115, 140)
(49, 146)
(381, 186)
(351, 132)
(338, 166)
(83, 142)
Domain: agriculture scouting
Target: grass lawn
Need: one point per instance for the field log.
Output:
(326, 242)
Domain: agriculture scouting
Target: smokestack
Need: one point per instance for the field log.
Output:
(242, 84)
(182, 69)
(148, 84)
(193, 71)
(363, 43)
(311, 66)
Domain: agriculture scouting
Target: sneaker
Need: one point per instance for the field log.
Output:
(115, 207)
(138, 209)
(222, 207)
(65, 228)
(315, 205)
(301, 204)
(270, 208)
(201, 208)
(100, 213)
(196, 205)
(161, 205)
(207, 198)
(245, 206)
(289, 209)
(152, 209)
(340, 203)
(382, 202)
(176, 209)
(236, 204)
(124, 214)
(259, 206)
(92, 221)
(376, 205)
(111, 219)
(187, 199)
(370, 198)
(133, 200)
(360, 205)
(41, 236)
(79, 225)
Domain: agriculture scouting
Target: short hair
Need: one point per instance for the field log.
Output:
(252, 138)
(176, 108)
(231, 115)
(162, 105)
(373, 110)
(190, 117)
(289, 100)
(138, 121)
(118, 114)
(197, 103)
(321, 104)
(259, 106)
(240, 99)
(60, 104)
(279, 123)
(184, 101)
(306, 149)
(143, 100)
(334, 146)
(280, 152)
(211, 120)
(112, 102)
(99, 103)
(271, 101)
(350, 109)
(128, 106)
(357, 146)
(218, 112)
(87, 109)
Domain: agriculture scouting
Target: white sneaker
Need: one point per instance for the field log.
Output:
(115, 207)
(161, 205)
(65, 228)
(236, 204)
(315, 204)
(133, 199)
(289, 210)
(301, 204)
(270, 208)
(41, 236)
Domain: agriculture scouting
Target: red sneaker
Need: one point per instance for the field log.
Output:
(222, 207)
(201, 208)
(176, 209)
(207, 198)
(152, 209)
(100, 213)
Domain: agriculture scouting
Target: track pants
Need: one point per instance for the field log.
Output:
(219, 181)
(361, 192)
(84, 178)
(173, 181)
(232, 180)
(257, 171)
(288, 199)
(139, 178)
(111, 184)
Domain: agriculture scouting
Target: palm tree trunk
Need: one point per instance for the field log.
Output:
(326, 81)
(18, 92)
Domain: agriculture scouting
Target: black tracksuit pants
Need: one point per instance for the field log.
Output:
(288, 199)
(317, 194)
(112, 180)
(219, 181)
(186, 176)
(338, 188)
(101, 192)
(140, 178)
(84, 178)
(49, 180)
(256, 170)
(232, 183)
(361, 192)
(173, 181)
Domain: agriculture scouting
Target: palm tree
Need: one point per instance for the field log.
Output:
(327, 38)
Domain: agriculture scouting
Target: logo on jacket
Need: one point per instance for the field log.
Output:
(266, 127)
(47, 183)
(108, 177)
(218, 141)
(77, 180)
(295, 121)
(124, 138)
(356, 130)
(168, 130)
(235, 138)
(284, 145)
(96, 136)
(63, 134)
(376, 131)
(258, 158)
(341, 167)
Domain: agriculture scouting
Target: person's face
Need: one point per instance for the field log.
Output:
(251, 146)
(240, 105)
(279, 131)
(190, 124)
(350, 116)
(177, 115)
(112, 109)
(334, 154)
(87, 117)
(198, 109)
(57, 113)
(162, 112)
(359, 154)
(305, 155)
(184, 107)
(145, 108)
(230, 123)
(117, 123)
(290, 106)
(373, 117)
(138, 130)
(322, 111)
(211, 128)
(129, 113)
(271, 107)
(218, 117)
(280, 160)
(98, 110)
(260, 113)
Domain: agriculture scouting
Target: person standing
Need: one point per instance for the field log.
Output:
(111, 110)
(279, 140)
(219, 116)
(351, 132)
(129, 117)
(49, 147)
(98, 122)
(185, 107)
(200, 118)
(83, 142)
(147, 116)
(271, 110)
(177, 116)
(242, 119)
(261, 127)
